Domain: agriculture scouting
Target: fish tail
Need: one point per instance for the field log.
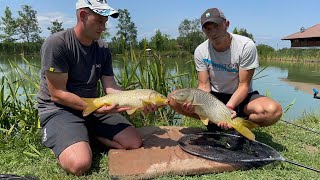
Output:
(249, 124)
(243, 127)
(91, 106)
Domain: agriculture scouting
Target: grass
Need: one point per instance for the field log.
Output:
(290, 55)
(291, 142)
(21, 152)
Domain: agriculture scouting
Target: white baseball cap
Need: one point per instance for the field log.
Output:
(100, 7)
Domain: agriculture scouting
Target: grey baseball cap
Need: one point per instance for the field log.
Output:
(212, 15)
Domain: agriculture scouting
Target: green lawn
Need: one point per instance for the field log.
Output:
(19, 157)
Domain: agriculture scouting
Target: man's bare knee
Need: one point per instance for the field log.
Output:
(134, 144)
(76, 158)
(129, 138)
(77, 166)
(275, 113)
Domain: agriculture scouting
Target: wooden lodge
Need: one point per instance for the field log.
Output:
(305, 38)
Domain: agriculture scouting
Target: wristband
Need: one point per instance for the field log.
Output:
(230, 107)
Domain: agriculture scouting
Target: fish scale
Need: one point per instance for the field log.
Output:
(135, 99)
(127, 98)
(210, 108)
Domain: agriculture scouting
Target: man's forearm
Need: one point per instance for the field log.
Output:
(110, 85)
(112, 89)
(205, 87)
(70, 100)
(238, 96)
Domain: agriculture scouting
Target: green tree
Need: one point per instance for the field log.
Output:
(265, 51)
(117, 45)
(243, 32)
(187, 27)
(143, 44)
(159, 41)
(28, 25)
(235, 31)
(190, 34)
(56, 26)
(105, 35)
(126, 29)
(8, 26)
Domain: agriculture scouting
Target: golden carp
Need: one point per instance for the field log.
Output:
(135, 99)
(209, 108)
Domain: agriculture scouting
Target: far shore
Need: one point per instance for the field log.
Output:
(305, 87)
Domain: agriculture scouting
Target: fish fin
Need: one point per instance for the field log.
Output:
(197, 104)
(145, 103)
(238, 124)
(131, 111)
(205, 120)
(161, 100)
(246, 123)
(91, 106)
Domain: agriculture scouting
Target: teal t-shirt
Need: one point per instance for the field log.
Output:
(223, 67)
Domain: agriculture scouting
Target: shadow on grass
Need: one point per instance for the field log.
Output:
(99, 151)
(266, 138)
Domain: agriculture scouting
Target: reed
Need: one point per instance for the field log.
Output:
(150, 72)
(18, 118)
(291, 55)
(18, 90)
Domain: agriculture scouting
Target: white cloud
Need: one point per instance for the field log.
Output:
(45, 21)
(146, 35)
(263, 37)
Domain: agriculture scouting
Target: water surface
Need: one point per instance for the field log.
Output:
(285, 82)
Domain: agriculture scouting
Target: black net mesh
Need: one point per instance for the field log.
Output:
(223, 147)
(13, 177)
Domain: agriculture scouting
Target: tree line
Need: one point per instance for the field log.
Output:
(22, 35)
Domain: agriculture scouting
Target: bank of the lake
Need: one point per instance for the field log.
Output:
(291, 142)
(21, 152)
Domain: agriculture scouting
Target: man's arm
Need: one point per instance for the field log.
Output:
(57, 87)
(109, 84)
(245, 77)
(203, 81)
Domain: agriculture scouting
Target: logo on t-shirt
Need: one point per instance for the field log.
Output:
(222, 67)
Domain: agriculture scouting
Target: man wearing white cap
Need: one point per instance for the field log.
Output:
(225, 63)
(72, 63)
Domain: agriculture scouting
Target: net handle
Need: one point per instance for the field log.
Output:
(301, 165)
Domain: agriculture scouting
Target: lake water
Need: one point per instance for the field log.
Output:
(284, 82)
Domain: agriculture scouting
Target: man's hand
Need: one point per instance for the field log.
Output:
(114, 108)
(188, 107)
(150, 108)
(225, 125)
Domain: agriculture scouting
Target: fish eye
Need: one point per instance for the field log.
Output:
(180, 94)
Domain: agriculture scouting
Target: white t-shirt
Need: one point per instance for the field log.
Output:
(223, 67)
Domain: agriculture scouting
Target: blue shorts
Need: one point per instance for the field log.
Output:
(65, 127)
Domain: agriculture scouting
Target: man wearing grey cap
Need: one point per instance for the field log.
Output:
(72, 63)
(225, 64)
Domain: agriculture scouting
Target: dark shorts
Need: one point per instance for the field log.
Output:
(239, 109)
(66, 127)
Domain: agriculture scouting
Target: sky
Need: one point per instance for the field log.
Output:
(267, 20)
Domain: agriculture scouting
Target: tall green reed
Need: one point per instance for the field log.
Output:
(18, 90)
(150, 72)
(17, 99)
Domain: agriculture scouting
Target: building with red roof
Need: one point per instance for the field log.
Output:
(305, 38)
